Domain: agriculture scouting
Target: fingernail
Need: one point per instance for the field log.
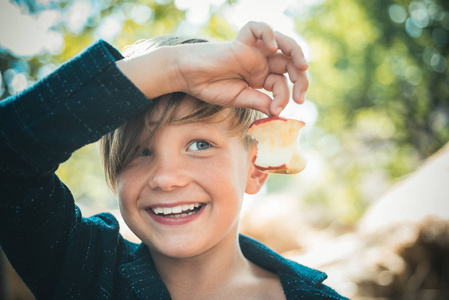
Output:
(302, 96)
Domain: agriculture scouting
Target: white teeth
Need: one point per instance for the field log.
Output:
(158, 210)
(177, 211)
(183, 215)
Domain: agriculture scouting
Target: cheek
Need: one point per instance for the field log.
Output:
(241, 167)
(227, 175)
(127, 189)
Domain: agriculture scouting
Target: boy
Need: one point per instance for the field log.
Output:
(179, 166)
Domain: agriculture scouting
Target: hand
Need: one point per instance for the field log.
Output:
(229, 74)
(226, 74)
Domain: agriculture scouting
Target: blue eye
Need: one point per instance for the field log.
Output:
(145, 152)
(199, 145)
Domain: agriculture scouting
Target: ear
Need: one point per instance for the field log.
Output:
(256, 178)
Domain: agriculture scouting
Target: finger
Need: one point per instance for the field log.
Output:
(278, 85)
(300, 87)
(254, 31)
(254, 99)
(290, 47)
(277, 63)
(281, 64)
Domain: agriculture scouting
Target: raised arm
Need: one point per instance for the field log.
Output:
(41, 230)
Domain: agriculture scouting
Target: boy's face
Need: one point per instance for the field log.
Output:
(184, 166)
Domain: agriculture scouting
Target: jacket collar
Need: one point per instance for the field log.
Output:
(141, 277)
(144, 282)
(266, 258)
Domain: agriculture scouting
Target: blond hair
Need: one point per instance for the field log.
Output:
(121, 146)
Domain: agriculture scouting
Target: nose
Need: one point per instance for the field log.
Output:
(168, 174)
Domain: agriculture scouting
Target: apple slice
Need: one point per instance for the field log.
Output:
(277, 145)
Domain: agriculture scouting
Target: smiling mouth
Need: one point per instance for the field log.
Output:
(179, 211)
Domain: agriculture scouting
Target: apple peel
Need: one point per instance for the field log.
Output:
(277, 145)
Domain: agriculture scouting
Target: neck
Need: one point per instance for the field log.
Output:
(210, 272)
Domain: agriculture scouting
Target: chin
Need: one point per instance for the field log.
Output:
(178, 250)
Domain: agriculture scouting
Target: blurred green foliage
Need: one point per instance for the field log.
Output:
(379, 77)
(379, 80)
